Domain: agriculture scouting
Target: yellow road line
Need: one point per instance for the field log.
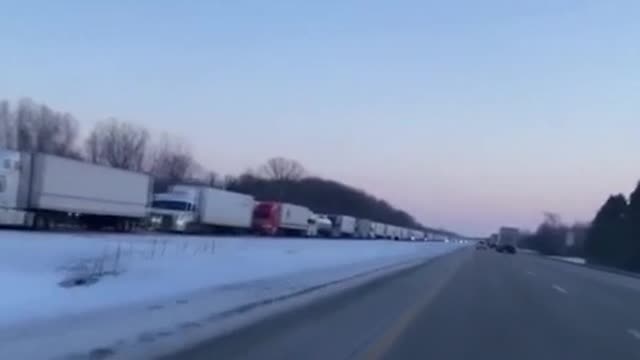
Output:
(380, 348)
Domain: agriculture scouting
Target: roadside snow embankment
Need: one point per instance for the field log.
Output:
(575, 260)
(78, 293)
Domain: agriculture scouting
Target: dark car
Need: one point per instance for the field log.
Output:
(509, 249)
(481, 245)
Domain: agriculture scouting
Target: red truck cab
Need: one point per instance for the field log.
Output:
(266, 218)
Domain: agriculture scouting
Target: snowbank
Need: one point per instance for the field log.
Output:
(153, 286)
(575, 260)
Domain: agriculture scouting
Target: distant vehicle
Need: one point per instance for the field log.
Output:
(379, 230)
(187, 208)
(417, 235)
(43, 191)
(492, 241)
(312, 229)
(365, 229)
(323, 224)
(343, 226)
(507, 240)
(391, 232)
(319, 226)
(274, 218)
(481, 245)
(509, 249)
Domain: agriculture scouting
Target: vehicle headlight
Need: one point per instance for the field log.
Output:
(184, 219)
(156, 219)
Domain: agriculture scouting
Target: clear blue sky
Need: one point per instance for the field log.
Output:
(469, 114)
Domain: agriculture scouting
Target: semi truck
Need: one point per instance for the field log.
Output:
(417, 235)
(365, 229)
(392, 232)
(191, 209)
(379, 230)
(276, 218)
(507, 240)
(43, 191)
(322, 224)
(343, 225)
(397, 233)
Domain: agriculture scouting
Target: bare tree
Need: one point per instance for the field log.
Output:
(228, 181)
(118, 144)
(34, 127)
(92, 148)
(213, 180)
(280, 169)
(7, 126)
(172, 161)
(552, 219)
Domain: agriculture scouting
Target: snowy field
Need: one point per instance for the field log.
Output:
(106, 294)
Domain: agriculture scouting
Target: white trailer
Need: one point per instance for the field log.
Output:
(379, 230)
(417, 235)
(398, 233)
(188, 208)
(343, 225)
(295, 218)
(365, 229)
(391, 232)
(42, 191)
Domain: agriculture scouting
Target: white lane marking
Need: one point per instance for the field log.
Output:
(560, 289)
(531, 273)
(635, 333)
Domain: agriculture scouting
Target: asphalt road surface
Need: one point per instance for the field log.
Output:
(467, 305)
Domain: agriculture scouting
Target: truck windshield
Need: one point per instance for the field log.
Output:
(171, 205)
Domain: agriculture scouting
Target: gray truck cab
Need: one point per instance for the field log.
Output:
(176, 210)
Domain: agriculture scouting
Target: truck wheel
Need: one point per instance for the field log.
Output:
(37, 222)
(40, 222)
(121, 225)
(50, 223)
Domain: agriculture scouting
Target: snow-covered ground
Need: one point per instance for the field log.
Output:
(142, 289)
(575, 260)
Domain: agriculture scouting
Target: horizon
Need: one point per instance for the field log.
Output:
(468, 116)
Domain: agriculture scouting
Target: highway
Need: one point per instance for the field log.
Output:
(467, 305)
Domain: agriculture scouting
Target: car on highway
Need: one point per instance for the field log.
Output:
(481, 245)
(508, 249)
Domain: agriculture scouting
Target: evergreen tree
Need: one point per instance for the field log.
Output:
(609, 233)
(633, 239)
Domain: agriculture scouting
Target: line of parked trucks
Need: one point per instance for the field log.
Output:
(43, 191)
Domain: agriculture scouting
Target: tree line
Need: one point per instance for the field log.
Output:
(612, 239)
(33, 127)
(554, 237)
(286, 180)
